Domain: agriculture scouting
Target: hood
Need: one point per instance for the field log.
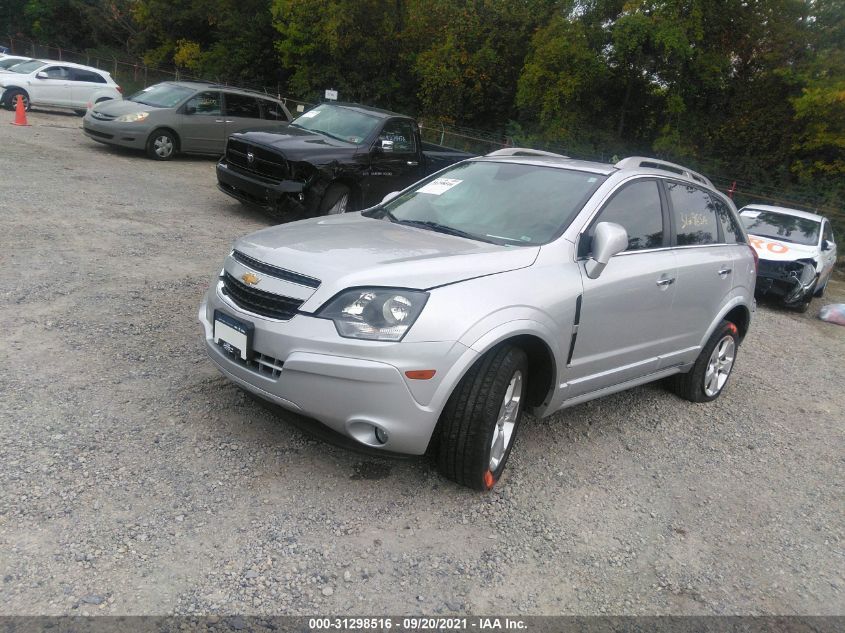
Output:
(350, 250)
(118, 107)
(297, 144)
(779, 251)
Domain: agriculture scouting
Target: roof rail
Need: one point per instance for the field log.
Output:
(523, 151)
(663, 165)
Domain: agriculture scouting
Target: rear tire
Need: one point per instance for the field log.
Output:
(161, 145)
(480, 422)
(336, 200)
(712, 369)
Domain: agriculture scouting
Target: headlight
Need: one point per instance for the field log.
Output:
(132, 118)
(375, 314)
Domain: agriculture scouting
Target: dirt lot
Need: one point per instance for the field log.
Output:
(134, 479)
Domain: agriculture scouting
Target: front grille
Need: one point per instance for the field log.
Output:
(258, 301)
(275, 271)
(102, 116)
(264, 162)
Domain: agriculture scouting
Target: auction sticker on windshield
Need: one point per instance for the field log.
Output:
(439, 186)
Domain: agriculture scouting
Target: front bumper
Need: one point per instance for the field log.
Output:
(351, 386)
(792, 282)
(287, 195)
(130, 135)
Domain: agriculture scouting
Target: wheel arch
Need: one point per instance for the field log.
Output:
(738, 313)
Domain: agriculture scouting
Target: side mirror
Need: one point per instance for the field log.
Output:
(41, 75)
(827, 245)
(609, 239)
(389, 197)
(387, 146)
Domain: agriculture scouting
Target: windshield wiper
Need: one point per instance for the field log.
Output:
(442, 228)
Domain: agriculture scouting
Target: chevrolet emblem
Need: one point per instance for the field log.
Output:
(250, 278)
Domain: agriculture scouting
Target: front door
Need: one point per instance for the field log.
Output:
(54, 90)
(626, 322)
(202, 126)
(398, 165)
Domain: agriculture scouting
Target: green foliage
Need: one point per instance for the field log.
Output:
(752, 89)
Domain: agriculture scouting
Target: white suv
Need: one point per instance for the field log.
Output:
(56, 84)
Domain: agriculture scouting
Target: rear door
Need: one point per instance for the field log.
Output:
(626, 321)
(84, 83)
(202, 128)
(55, 89)
(705, 261)
(273, 113)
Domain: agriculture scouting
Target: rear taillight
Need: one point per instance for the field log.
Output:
(119, 89)
(756, 258)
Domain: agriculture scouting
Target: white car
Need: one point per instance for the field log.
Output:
(797, 252)
(56, 85)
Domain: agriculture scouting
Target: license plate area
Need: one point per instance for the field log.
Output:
(233, 335)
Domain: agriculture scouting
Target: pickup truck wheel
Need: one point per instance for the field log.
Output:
(712, 368)
(161, 145)
(481, 419)
(335, 200)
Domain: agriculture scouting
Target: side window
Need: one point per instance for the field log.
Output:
(693, 213)
(204, 103)
(730, 228)
(242, 106)
(402, 135)
(88, 76)
(636, 207)
(57, 72)
(272, 110)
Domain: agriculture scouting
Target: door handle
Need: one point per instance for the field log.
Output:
(724, 272)
(412, 163)
(668, 281)
(219, 121)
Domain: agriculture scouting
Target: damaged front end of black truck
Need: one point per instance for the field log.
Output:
(331, 159)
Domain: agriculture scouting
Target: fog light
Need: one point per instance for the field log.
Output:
(381, 435)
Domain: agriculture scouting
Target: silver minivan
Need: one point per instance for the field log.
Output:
(516, 281)
(182, 116)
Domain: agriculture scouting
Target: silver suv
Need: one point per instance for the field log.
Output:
(515, 281)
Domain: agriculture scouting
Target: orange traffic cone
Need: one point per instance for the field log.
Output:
(20, 112)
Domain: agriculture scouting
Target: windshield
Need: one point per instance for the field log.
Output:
(162, 95)
(503, 203)
(338, 122)
(27, 67)
(780, 226)
(11, 61)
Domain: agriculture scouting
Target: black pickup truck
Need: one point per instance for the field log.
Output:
(331, 159)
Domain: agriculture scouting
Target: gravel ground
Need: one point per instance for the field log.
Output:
(134, 479)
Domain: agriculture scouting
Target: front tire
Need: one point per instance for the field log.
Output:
(11, 99)
(712, 369)
(336, 200)
(480, 422)
(161, 145)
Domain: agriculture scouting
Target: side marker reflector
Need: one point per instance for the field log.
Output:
(421, 374)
